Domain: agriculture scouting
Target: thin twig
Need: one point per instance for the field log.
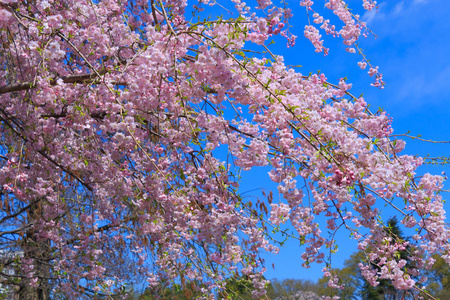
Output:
(420, 139)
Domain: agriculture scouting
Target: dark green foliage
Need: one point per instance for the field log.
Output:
(239, 289)
(289, 287)
(349, 277)
(438, 284)
(242, 289)
(355, 285)
(190, 290)
(385, 289)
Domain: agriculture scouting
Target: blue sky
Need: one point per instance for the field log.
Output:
(412, 49)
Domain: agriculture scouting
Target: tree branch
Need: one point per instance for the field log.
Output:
(80, 78)
(20, 211)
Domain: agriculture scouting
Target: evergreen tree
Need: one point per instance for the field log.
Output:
(385, 290)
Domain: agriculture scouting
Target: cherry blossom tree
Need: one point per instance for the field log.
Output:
(113, 114)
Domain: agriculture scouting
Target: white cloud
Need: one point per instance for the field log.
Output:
(399, 8)
(392, 10)
(419, 90)
(369, 16)
(374, 15)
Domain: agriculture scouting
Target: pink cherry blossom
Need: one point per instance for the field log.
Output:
(126, 128)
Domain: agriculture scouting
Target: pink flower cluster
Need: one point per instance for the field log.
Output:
(126, 127)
